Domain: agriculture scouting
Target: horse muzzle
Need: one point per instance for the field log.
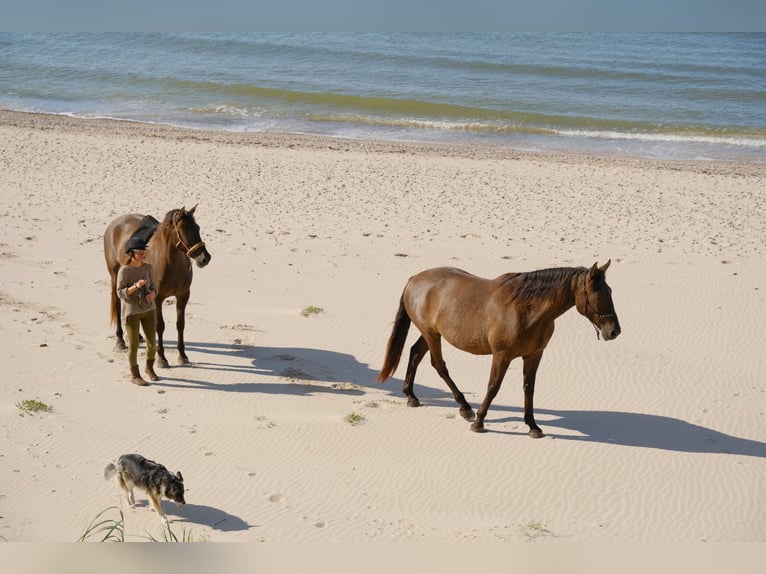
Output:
(610, 330)
(201, 257)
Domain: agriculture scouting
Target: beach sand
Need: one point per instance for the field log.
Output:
(657, 436)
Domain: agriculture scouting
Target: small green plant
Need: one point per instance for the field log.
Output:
(30, 406)
(354, 419)
(112, 530)
(535, 529)
(311, 310)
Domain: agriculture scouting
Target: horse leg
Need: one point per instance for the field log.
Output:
(531, 362)
(500, 362)
(181, 302)
(417, 352)
(161, 360)
(437, 362)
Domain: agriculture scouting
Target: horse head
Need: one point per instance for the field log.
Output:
(593, 300)
(188, 236)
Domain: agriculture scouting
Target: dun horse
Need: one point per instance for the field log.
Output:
(172, 247)
(507, 317)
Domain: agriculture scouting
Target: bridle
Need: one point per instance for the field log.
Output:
(181, 242)
(601, 316)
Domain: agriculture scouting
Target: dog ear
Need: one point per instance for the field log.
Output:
(179, 477)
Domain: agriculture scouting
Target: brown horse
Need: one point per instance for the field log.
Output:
(507, 317)
(173, 245)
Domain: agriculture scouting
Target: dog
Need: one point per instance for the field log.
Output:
(133, 470)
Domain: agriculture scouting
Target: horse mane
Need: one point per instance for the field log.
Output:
(541, 283)
(168, 220)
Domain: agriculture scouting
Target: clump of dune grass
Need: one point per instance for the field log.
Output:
(113, 530)
(187, 535)
(536, 529)
(108, 529)
(31, 406)
(311, 310)
(354, 419)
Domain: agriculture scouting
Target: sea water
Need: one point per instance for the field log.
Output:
(674, 96)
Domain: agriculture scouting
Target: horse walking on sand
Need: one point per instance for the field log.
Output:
(507, 317)
(173, 245)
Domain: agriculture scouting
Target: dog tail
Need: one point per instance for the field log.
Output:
(110, 471)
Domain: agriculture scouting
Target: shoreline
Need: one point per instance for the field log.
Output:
(38, 120)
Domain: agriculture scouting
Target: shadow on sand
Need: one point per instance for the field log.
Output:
(207, 515)
(298, 371)
(625, 429)
(297, 368)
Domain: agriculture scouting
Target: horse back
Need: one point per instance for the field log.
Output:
(452, 303)
(115, 236)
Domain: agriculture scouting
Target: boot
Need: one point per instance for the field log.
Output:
(150, 374)
(136, 377)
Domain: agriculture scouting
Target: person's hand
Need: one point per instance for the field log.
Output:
(140, 283)
(150, 296)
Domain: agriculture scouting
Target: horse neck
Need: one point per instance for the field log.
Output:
(557, 299)
(165, 247)
(564, 298)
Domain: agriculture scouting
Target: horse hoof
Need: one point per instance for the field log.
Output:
(161, 362)
(478, 427)
(183, 361)
(536, 433)
(120, 346)
(413, 402)
(467, 414)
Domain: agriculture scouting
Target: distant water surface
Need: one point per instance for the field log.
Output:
(676, 96)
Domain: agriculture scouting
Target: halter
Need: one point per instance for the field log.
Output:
(181, 242)
(601, 316)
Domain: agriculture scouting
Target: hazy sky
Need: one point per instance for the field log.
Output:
(384, 15)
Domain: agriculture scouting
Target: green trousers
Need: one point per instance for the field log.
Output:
(148, 322)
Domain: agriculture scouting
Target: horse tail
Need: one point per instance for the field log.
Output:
(395, 342)
(113, 309)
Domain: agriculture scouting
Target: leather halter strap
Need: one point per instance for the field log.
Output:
(601, 316)
(181, 242)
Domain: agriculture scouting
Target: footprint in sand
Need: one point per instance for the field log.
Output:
(276, 498)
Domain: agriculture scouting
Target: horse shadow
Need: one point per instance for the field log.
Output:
(634, 430)
(609, 427)
(296, 370)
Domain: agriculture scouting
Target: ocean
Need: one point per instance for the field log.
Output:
(669, 96)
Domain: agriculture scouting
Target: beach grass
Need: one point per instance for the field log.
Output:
(31, 406)
(311, 310)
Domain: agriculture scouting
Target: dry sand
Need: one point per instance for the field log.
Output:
(658, 436)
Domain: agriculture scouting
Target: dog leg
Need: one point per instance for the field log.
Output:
(157, 505)
(127, 489)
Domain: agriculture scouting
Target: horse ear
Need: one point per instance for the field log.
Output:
(179, 477)
(191, 211)
(592, 270)
(605, 266)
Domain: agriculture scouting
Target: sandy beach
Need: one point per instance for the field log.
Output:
(657, 436)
